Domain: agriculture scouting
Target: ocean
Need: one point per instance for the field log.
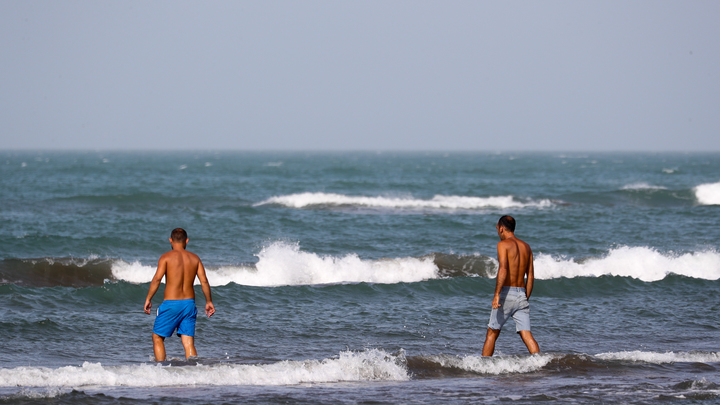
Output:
(360, 278)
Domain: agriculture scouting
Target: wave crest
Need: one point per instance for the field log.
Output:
(52, 271)
(370, 365)
(661, 358)
(283, 263)
(453, 202)
(484, 365)
(642, 186)
(642, 263)
(348, 366)
(708, 194)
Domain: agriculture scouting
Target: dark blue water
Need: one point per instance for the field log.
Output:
(360, 278)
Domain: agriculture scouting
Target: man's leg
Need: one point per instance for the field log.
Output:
(159, 347)
(530, 342)
(188, 343)
(489, 346)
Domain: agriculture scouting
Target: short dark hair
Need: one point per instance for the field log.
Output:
(507, 222)
(178, 235)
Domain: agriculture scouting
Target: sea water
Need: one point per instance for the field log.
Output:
(360, 277)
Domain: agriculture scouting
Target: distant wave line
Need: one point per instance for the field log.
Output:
(303, 200)
(642, 186)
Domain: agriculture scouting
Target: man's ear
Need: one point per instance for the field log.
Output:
(170, 239)
(187, 240)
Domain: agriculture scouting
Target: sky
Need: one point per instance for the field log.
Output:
(360, 75)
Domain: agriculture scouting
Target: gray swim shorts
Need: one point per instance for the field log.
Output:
(513, 303)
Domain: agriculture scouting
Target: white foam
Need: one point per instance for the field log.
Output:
(67, 261)
(452, 202)
(134, 272)
(371, 365)
(660, 358)
(44, 393)
(495, 365)
(638, 262)
(283, 263)
(708, 194)
(642, 186)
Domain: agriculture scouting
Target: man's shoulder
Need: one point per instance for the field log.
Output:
(505, 242)
(193, 255)
(524, 243)
(168, 254)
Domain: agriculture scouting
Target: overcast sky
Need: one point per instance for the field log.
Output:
(361, 75)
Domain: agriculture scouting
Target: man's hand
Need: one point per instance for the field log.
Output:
(209, 309)
(496, 302)
(148, 305)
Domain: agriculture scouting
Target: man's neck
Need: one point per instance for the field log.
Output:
(507, 235)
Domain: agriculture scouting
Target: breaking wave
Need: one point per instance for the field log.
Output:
(661, 358)
(304, 200)
(348, 366)
(370, 365)
(285, 264)
(642, 263)
(282, 264)
(708, 194)
(443, 364)
(279, 264)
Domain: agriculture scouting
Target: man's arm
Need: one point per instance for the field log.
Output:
(530, 277)
(209, 307)
(502, 273)
(155, 283)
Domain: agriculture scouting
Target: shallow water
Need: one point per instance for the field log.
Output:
(360, 278)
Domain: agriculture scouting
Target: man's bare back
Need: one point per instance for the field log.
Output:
(179, 268)
(515, 264)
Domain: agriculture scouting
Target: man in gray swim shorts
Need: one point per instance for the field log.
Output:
(513, 303)
(511, 290)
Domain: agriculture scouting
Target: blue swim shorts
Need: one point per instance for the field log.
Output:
(513, 303)
(176, 314)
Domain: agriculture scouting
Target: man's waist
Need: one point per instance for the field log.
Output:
(513, 289)
(180, 301)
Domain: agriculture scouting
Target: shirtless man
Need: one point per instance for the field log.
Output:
(511, 291)
(179, 267)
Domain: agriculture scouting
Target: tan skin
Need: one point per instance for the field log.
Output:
(515, 264)
(179, 267)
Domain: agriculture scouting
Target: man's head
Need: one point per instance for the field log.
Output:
(178, 235)
(507, 222)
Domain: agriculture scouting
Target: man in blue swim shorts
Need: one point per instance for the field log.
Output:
(511, 291)
(178, 312)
